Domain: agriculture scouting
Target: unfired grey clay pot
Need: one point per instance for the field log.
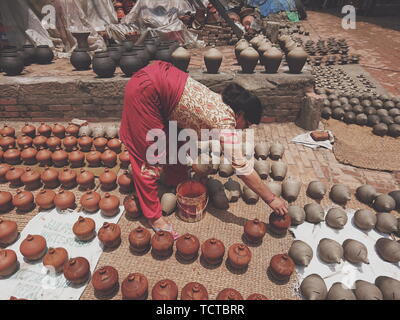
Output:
(340, 194)
(263, 168)
(275, 187)
(297, 215)
(316, 190)
(234, 189)
(388, 250)
(220, 200)
(249, 196)
(314, 213)
(291, 189)
(366, 194)
(330, 251)
(365, 219)
(367, 291)
(339, 291)
(301, 253)
(355, 251)
(386, 223)
(384, 203)
(389, 287)
(276, 151)
(262, 150)
(336, 218)
(279, 170)
(168, 203)
(313, 287)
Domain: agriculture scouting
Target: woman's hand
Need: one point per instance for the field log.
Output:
(279, 206)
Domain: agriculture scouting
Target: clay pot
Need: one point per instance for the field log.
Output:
(181, 58)
(279, 224)
(8, 263)
(386, 223)
(43, 54)
(389, 287)
(384, 203)
(105, 281)
(394, 194)
(8, 232)
(279, 170)
(168, 203)
(100, 144)
(98, 131)
(5, 201)
(272, 59)
(110, 235)
(296, 59)
(239, 256)
(336, 218)
(340, 194)
(213, 251)
(24, 141)
(248, 59)
(7, 131)
(254, 230)
(313, 287)
(388, 250)
(43, 156)
(135, 287)
(84, 229)
(365, 219)
(124, 159)
(234, 189)
(276, 151)
(355, 251)
(275, 187)
(67, 178)
(44, 130)
(249, 196)
(316, 190)
(291, 189)
(4, 168)
(12, 156)
(262, 168)
(28, 130)
(85, 130)
(64, 200)
(69, 142)
(31, 179)
(33, 247)
(90, 201)
(257, 296)
(226, 170)
(80, 59)
(380, 129)
(93, 159)
(85, 143)
(339, 291)
(229, 294)
(13, 176)
(240, 46)
(213, 60)
(131, 63)
(49, 178)
(366, 194)
(330, 251)
(7, 142)
(282, 267)
(58, 131)
(103, 65)
(132, 207)
(262, 150)
(109, 205)
(165, 290)
(365, 290)
(45, 199)
(53, 143)
(108, 180)
(85, 180)
(139, 240)
(55, 259)
(194, 291)
(11, 63)
(72, 130)
(28, 155)
(125, 182)
(76, 158)
(59, 158)
(297, 215)
(187, 247)
(301, 253)
(77, 270)
(162, 243)
(109, 158)
(115, 145)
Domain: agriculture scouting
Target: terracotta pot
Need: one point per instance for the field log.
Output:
(187, 247)
(213, 251)
(313, 287)
(14, 175)
(229, 294)
(49, 178)
(110, 235)
(124, 159)
(248, 59)
(28, 155)
(272, 59)
(58, 131)
(132, 207)
(109, 205)
(77, 270)
(257, 296)
(8, 263)
(43, 157)
(109, 158)
(194, 291)
(45, 199)
(76, 158)
(4, 167)
(301, 253)
(239, 256)
(330, 251)
(72, 130)
(165, 290)
(282, 267)
(55, 259)
(69, 142)
(28, 130)
(100, 144)
(135, 287)
(33, 248)
(24, 141)
(181, 58)
(296, 59)
(67, 178)
(53, 143)
(105, 281)
(279, 224)
(44, 130)
(7, 142)
(31, 179)
(84, 229)
(213, 60)
(12, 156)
(115, 145)
(85, 180)
(64, 200)
(125, 182)
(90, 201)
(108, 180)
(7, 131)
(139, 240)
(59, 158)
(8, 232)
(162, 243)
(5, 201)
(93, 159)
(85, 143)
(254, 230)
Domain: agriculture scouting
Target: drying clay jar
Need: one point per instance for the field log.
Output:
(105, 281)
(69, 142)
(330, 251)
(12, 156)
(124, 159)
(111, 131)
(257, 296)
(366, 194)
(45, 199)
(262, 150)
(4, 167)
(276, 151)
(49, 178)
(314, 213)
(168, 203)
(24, 201)
(301, 253)
(194, 291)
(5, 201)
(72, 129)
(213, 59)
(340, 194)
(85, 143)
(90, 201)
(255, 230)
(249, 196)
(131, 205)
(396, 196)
(162, 243)
(181, 58)
(109, 158)
(110, 235)
(53, 143)
(76, 158)
(275, 187)
(355, 251)
(296, 59)
(313, 287)
(84, 229)
(77, 270)
(24, 141)
(165, 290)
(248, 59)
(367, 291)
(28, 155)
(336, 218)
(386, 223)
(282, 267)
(234, 189)
(291, 189)
(139, 240)
(262, 168)
(31, 179)
(58, 131)
(8, 232)
(108, 180)
(67, 178)
(297, 215)
(226, 170)
(8, 263)
(125, 182)
(55, 259)
(100, 144)
(187, 247)
(85, 180)
(213, 251)
(279, 224)
(384, 203)
(365, 219)
(316, 190)
(43, 156)
(64, 200)
(229, 294)
(135, 287)
(279, 170)
(388, 250)
(389, 287)
(39, 142)
(33, 247)
(93, 159)
(13, 176)
(109, 205)
(7, 131)
(239, 256)
(339, 291)
(59, 158)
(115, 145)
(44, 130)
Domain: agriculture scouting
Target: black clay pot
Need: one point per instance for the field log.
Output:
(11, 63)
(27, 55)
(44, 55)
(130, 63)
(142, 53)
(80, 59)
(115, 54)
(163, 52)
(127, 45)
(151, 47)
(103, 65)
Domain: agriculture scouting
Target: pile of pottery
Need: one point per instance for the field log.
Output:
(291, 28)
(382, 112)
(323, 47)
(13, 60)
(296, 57)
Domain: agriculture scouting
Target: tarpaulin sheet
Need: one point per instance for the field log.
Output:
(268, 7)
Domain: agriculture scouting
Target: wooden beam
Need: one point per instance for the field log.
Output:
(224, 14)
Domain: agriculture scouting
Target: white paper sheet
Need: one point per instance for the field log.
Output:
(346, 272)
(32, 281)
(306, 140)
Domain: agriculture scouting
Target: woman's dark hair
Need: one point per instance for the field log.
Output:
(242, 100)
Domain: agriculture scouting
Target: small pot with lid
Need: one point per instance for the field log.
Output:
(84, 229)
(93, 159)
(5, 201)
(49, 178)
(213, 251)
(239, 256)
(33, 248)
(85, 180)
(139, 240)
(76, 158)
(194, 291)
(55, 259)
(165, 290)
(187, 247)
(77, 270)
(90, 201)
(67, 178)
(64, 200)
(254, 230)
(8, 232)
(132, 207)
(31, 179)
(13, 176)
(162, 244)
(108, 180)
(8, 263)
(45, 199)
(105, 281)
(110, 235)
(135, 287)
(59, 157)
(28, 155)
(24, 201)
(109, 205)
(43, 156)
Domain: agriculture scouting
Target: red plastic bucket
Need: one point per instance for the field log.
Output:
(192, 201)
